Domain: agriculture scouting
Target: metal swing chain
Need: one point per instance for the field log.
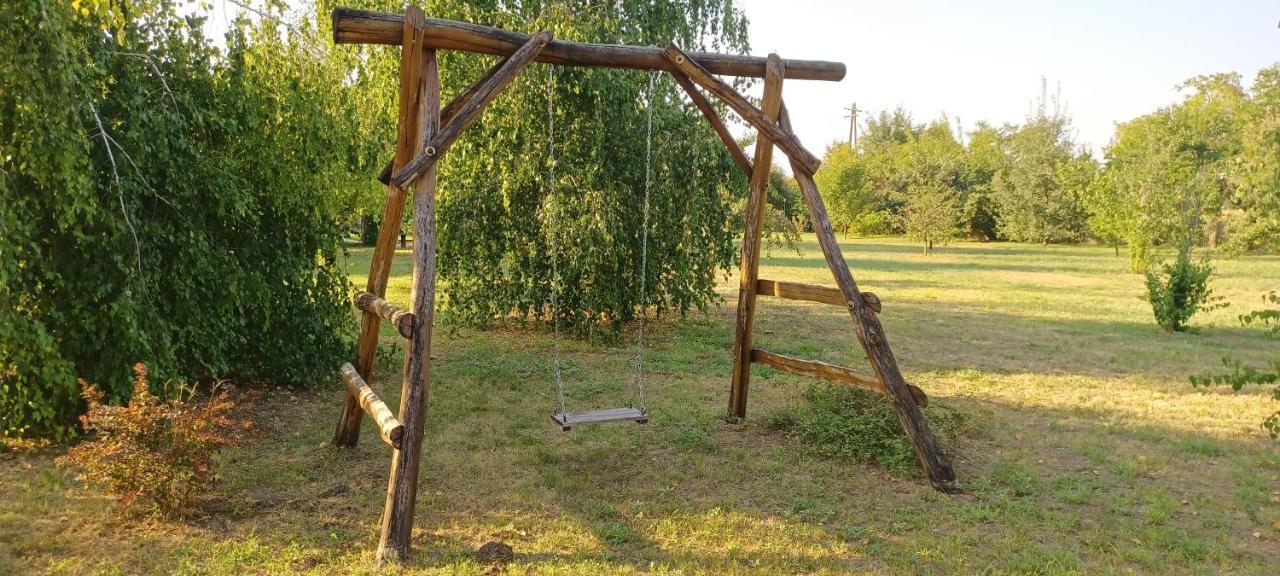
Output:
(556, 280)
(637, 382)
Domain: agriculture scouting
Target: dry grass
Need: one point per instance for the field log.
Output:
(1092, 453)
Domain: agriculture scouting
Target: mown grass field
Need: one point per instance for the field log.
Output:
(1088, 451)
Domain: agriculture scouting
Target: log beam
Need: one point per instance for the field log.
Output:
(740, 380)
(401, 319)
(872, 337)
(364, 27)
(448, 112)
(712, 117)
(763, 122)
(389, 428)
(811, 293)
(830, 372)
(408, 140)
(467, 113)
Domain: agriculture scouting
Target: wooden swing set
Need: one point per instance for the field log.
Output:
(425, 131)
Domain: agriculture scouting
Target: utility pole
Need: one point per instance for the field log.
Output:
(853, 125)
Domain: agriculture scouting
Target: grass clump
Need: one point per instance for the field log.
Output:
(857, 425)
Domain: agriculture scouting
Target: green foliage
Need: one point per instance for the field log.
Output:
(931, 215)
(162, 200)
(1038, 195)
(1181, 290)
(1169, 174)
(861, 426)
(150, 450)
(1240, 374)
(1017, 182)
(494, 203)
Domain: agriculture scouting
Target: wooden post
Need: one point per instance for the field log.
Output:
(871, 334)
(750, 266)
(402, 486)
(408, 132)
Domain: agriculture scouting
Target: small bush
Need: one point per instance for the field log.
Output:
(1180, 290)
(857, 425)
(152, 450)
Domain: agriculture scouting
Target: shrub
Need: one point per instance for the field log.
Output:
(1240, 374)
(152, 450)
(1181, 290)
(858, 425)
(165, 200)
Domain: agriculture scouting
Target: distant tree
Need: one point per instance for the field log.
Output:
(1256, 174)
(1039, 193)
(984, 158)
(932, 214)
(1168, 173)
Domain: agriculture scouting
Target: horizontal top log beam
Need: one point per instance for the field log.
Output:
(352, 26)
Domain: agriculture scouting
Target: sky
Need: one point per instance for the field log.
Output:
(984, 59)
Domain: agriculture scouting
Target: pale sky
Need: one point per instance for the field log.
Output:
(983, 59)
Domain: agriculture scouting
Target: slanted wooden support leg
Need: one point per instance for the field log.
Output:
(408, 133)
(402, 486)
(870, 333)
(751, 243)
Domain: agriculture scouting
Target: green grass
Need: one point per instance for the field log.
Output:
(1087, 449)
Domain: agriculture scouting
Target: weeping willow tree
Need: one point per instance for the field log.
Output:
(495, 206)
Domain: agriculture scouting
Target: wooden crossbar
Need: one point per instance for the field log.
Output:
(811, 293)
(830, 372)
(739, 103)
(871, 334)
(352, 26)
(401, 319)
(489, 88)
(389, 427)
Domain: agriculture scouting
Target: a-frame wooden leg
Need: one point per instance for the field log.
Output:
(402, 485)
(870, 333)
(408, 135)
(750, 266)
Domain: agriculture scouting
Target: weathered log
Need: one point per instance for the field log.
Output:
(871, 334)
(408, 140)
(763, 122)
(467, 113)
(811, 293)
(363, 27)
(740, 381)
(448, 112)
(716, 123)
(402, 320)
(402, 485)
(388, 426)
(830, 372)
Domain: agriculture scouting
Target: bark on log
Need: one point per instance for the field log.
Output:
(402, 486)
(761, 121)
(740, 380)
(717, 123)
(830, 372)
(871, 334)
(389, 427)
(448, 112)
(364, 27)
(439, 143)
(811, 293)
(402, 320)
(408, 135)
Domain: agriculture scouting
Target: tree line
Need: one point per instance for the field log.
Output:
(1203, 171)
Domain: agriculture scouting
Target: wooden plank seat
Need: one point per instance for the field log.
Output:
(568, 420)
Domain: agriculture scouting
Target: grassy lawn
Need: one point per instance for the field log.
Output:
(1088, 451)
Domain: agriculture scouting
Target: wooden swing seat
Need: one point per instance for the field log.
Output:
(567, 420)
